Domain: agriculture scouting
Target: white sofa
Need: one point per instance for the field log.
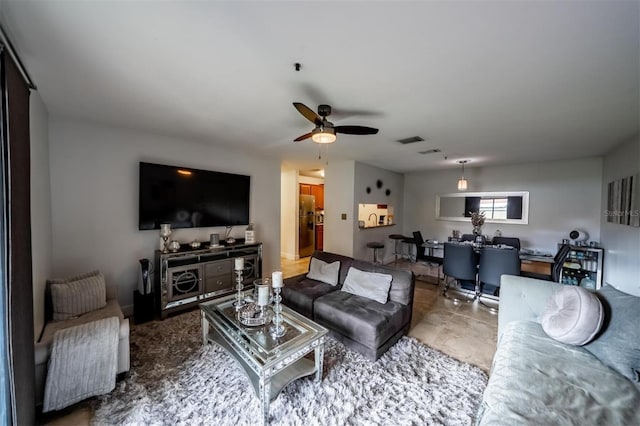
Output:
(536, 380)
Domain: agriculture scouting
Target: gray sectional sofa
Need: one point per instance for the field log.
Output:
(360, 323)
(536, 380)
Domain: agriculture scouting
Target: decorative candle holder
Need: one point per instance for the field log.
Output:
(165, 231)
(277, 329)
(263, 287)
(239, 269)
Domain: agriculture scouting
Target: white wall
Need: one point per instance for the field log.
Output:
(41, 242)
(367, 176)
(94, 193)
(563, 195)
(338, 200)
(621, 242)
(289, 212)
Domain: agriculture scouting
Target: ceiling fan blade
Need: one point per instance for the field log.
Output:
(356, 130)
(308, 113)
(303, 137)
(342, 114)
(314, 94)
(319, 97)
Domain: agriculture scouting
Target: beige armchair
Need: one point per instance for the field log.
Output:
(44, 345)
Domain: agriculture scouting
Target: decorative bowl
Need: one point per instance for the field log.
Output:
(252, 316)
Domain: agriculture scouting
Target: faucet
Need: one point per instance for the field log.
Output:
(376, 216)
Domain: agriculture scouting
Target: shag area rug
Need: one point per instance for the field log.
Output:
(174, 379)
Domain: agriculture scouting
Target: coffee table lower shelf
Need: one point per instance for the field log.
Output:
(297, 369)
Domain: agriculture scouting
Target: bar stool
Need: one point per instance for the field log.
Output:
(375, 245)
(397, 248)
(411, 243)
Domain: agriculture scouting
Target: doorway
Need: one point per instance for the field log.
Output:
(302, 212)
(311, 212)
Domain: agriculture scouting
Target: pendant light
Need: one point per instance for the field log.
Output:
(462, 182)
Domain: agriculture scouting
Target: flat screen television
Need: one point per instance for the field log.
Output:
(191, 198)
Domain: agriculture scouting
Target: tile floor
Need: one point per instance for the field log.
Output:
(464, 331)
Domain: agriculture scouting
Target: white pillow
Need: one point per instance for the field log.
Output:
(372, 285)
(573, 316)
(72, 297)
(323, 271)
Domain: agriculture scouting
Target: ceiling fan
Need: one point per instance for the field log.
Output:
(325, 131)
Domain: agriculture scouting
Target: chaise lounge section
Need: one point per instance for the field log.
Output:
(538, 380)
(362, 324)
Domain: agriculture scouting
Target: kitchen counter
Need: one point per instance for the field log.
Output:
(376, 226)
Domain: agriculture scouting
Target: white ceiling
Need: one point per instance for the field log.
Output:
(491, 82)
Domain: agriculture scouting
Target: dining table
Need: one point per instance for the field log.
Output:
(525, 254)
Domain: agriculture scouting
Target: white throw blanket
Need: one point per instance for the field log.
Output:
(83, 363)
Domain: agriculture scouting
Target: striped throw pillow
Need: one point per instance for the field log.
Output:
(78, 295)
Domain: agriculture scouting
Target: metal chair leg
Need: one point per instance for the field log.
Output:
(457, 300)
(492, 309)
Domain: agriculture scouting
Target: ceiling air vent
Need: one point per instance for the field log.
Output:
(412, 139)
(429, 151)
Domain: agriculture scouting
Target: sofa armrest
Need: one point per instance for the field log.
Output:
(42, 353)
(523, 299)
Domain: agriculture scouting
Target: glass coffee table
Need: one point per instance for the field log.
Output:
(269, 363)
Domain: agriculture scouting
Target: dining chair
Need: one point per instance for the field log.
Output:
(558, 262)
(507, 241)
(421, 256)
(467, 237)
(495, 262)
(556, 266)
(460, 263)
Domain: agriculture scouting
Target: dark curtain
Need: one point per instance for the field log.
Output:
(471, 205)
(17, 241)
(514, 207)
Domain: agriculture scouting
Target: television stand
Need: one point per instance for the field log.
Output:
(189, 276)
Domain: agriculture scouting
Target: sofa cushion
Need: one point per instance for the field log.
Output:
(372, 285)
(536, 380)
(72, 297)
(360, 319)
(323, 271)
(573, 316)
(300, 292)
(345, 262)
(618, 345)
(402, 283)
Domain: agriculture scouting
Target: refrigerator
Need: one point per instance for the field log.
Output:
(306, 224)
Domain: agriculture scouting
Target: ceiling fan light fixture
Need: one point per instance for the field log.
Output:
(324, 135)
(462, 182)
